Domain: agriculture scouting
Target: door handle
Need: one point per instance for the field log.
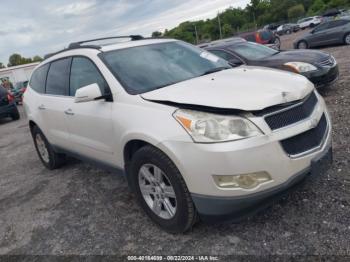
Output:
(41, 107)
(69, 112)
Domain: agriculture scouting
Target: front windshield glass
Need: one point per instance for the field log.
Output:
(252, 51)
(145, 68)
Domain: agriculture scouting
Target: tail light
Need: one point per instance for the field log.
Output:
(10, 97)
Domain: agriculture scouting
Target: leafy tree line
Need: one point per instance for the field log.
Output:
(17, 59)
(256, 14)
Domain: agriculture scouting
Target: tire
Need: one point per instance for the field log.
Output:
(184, 215)
(302, 45)
(277, 42)
(15, 115)
(347, 39)
(312, 25)
(50, 159)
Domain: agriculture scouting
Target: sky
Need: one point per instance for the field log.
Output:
(37, 27)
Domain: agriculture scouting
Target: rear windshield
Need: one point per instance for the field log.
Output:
(145, 68)
(252, 51)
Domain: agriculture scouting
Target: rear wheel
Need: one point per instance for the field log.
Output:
(277, 43)
(347, 39)
(302, 45)
(161, 190)
(312, 25)
(47, 155)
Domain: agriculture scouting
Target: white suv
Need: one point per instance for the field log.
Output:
(195, 137)
(309, 22)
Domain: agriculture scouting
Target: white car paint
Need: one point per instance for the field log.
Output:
(233, 89)
(100, 130)
(308, 21)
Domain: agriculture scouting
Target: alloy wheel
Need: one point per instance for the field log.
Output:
(347, 39)
(42, 149)
(157, 191)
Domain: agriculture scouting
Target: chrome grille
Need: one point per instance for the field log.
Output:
(330, 61)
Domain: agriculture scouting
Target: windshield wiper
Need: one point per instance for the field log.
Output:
(214, 70)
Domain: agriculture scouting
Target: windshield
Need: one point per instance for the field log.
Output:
(145, 68)
(252, 51)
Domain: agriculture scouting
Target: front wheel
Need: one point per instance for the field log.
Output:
(161, 190)
(15, 115)
(347, 39)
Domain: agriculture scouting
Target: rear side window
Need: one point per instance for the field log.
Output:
(58, 77)
(84, 73)
(337, 23)
(38, 79)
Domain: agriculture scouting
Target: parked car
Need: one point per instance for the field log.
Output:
(287, 29)
(7, 105)
(271, 27)
(309, 22)
(18, 91)
(328, 33)
(264, 37)
(319, 67)
(194, 135)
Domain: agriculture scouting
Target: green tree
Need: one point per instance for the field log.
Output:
(156, 34)
(37, 58)
(14, 59)
(227, 30)
(296, 11)
(317, 7)
(2, 65)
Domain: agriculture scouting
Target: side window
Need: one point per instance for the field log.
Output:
(321, 27)
(83, 73)
(337, 23)
(58, 77)
(38, 79)
(224, 55)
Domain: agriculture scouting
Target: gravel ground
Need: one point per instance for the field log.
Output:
(80, 209)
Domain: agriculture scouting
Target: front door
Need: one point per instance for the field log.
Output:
(90, 124)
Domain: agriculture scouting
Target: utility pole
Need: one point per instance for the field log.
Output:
(219, 25)
(195, 29)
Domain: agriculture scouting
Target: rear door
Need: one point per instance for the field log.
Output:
(90, 124)
(336, 30)
(318, 37)
(54, 101)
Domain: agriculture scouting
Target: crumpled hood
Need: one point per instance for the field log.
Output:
(243, 88)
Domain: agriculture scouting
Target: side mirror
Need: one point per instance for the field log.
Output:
(87, 93)
(234, 62)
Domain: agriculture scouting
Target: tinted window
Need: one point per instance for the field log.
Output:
(321, 27)
(337, 23)
(149, 67)
(252, 51)
(37, 81)
(58, 77)
(250, 38)
(265, 35)
(84, 73)
(222, 54)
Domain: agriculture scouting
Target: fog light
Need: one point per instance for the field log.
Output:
(246, 181)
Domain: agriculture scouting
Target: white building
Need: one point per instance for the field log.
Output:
(18, 73)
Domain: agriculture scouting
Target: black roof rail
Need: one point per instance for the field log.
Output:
(79, 44)
(76, 45)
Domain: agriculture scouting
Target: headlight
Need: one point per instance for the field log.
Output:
(212, 128)
(301, 67)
